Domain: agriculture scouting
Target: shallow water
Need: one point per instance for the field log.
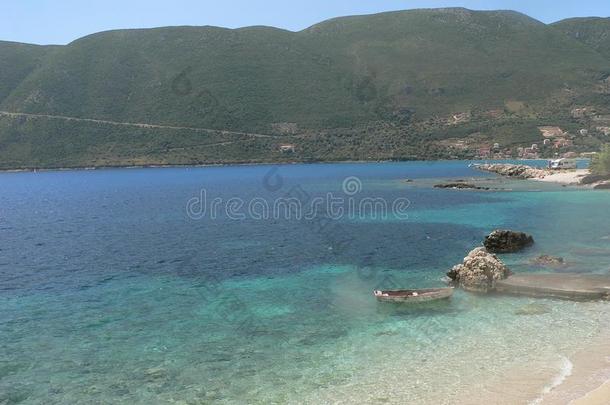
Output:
(110, 292)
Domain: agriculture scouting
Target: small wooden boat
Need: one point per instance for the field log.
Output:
(413, 296)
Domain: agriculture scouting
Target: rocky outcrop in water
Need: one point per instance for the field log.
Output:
(460, 185)
(548, 261)
(594, 178)
(479, 271)
(514, 171)
(602, 186)
(505, 241)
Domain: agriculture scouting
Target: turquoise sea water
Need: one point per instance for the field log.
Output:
(111, 293)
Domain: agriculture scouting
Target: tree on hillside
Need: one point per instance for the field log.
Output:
(601, 162)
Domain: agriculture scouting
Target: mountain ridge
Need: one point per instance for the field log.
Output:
(391, 78)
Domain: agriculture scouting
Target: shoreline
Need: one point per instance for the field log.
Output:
(194, 166)
(581, 377)
(551, 177)
(582, 178)
(567, 177)
(243, 163)
(598, 396)
(589, 381)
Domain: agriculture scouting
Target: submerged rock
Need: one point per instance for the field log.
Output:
(533, 309)
(479, 271)
(603, 186)
(460, 185)
(155, 373)
(505, 241)
(548, 261)
(572, 286)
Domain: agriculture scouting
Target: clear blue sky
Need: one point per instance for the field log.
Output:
(62, 21)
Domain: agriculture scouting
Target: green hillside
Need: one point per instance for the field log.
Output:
(451, 60)
(201, 77)
(594, 32)
(17, 61)
(342, 89)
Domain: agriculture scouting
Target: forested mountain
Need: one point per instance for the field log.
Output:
(396, 85)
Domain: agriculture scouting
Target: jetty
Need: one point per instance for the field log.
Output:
(572, 286)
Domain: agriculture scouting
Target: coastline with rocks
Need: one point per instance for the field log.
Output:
(575, 177)
(583, 375)
(584, 379)
(483, 271)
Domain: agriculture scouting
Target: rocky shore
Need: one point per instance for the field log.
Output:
(581, 378)
(514, 171)
(482, 271)
(581, 177)
(479, 271)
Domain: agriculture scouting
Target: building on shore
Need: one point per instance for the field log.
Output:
(563, 143)
(287, 148)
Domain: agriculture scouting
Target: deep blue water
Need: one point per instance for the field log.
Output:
(66, 230)
(111, 292)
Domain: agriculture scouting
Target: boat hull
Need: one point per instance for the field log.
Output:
(413, 296)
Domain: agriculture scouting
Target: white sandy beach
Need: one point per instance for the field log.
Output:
(600, 396)
(589, 381)
(579, 378)
(565, 177)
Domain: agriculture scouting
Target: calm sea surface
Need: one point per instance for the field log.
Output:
(130, 286)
